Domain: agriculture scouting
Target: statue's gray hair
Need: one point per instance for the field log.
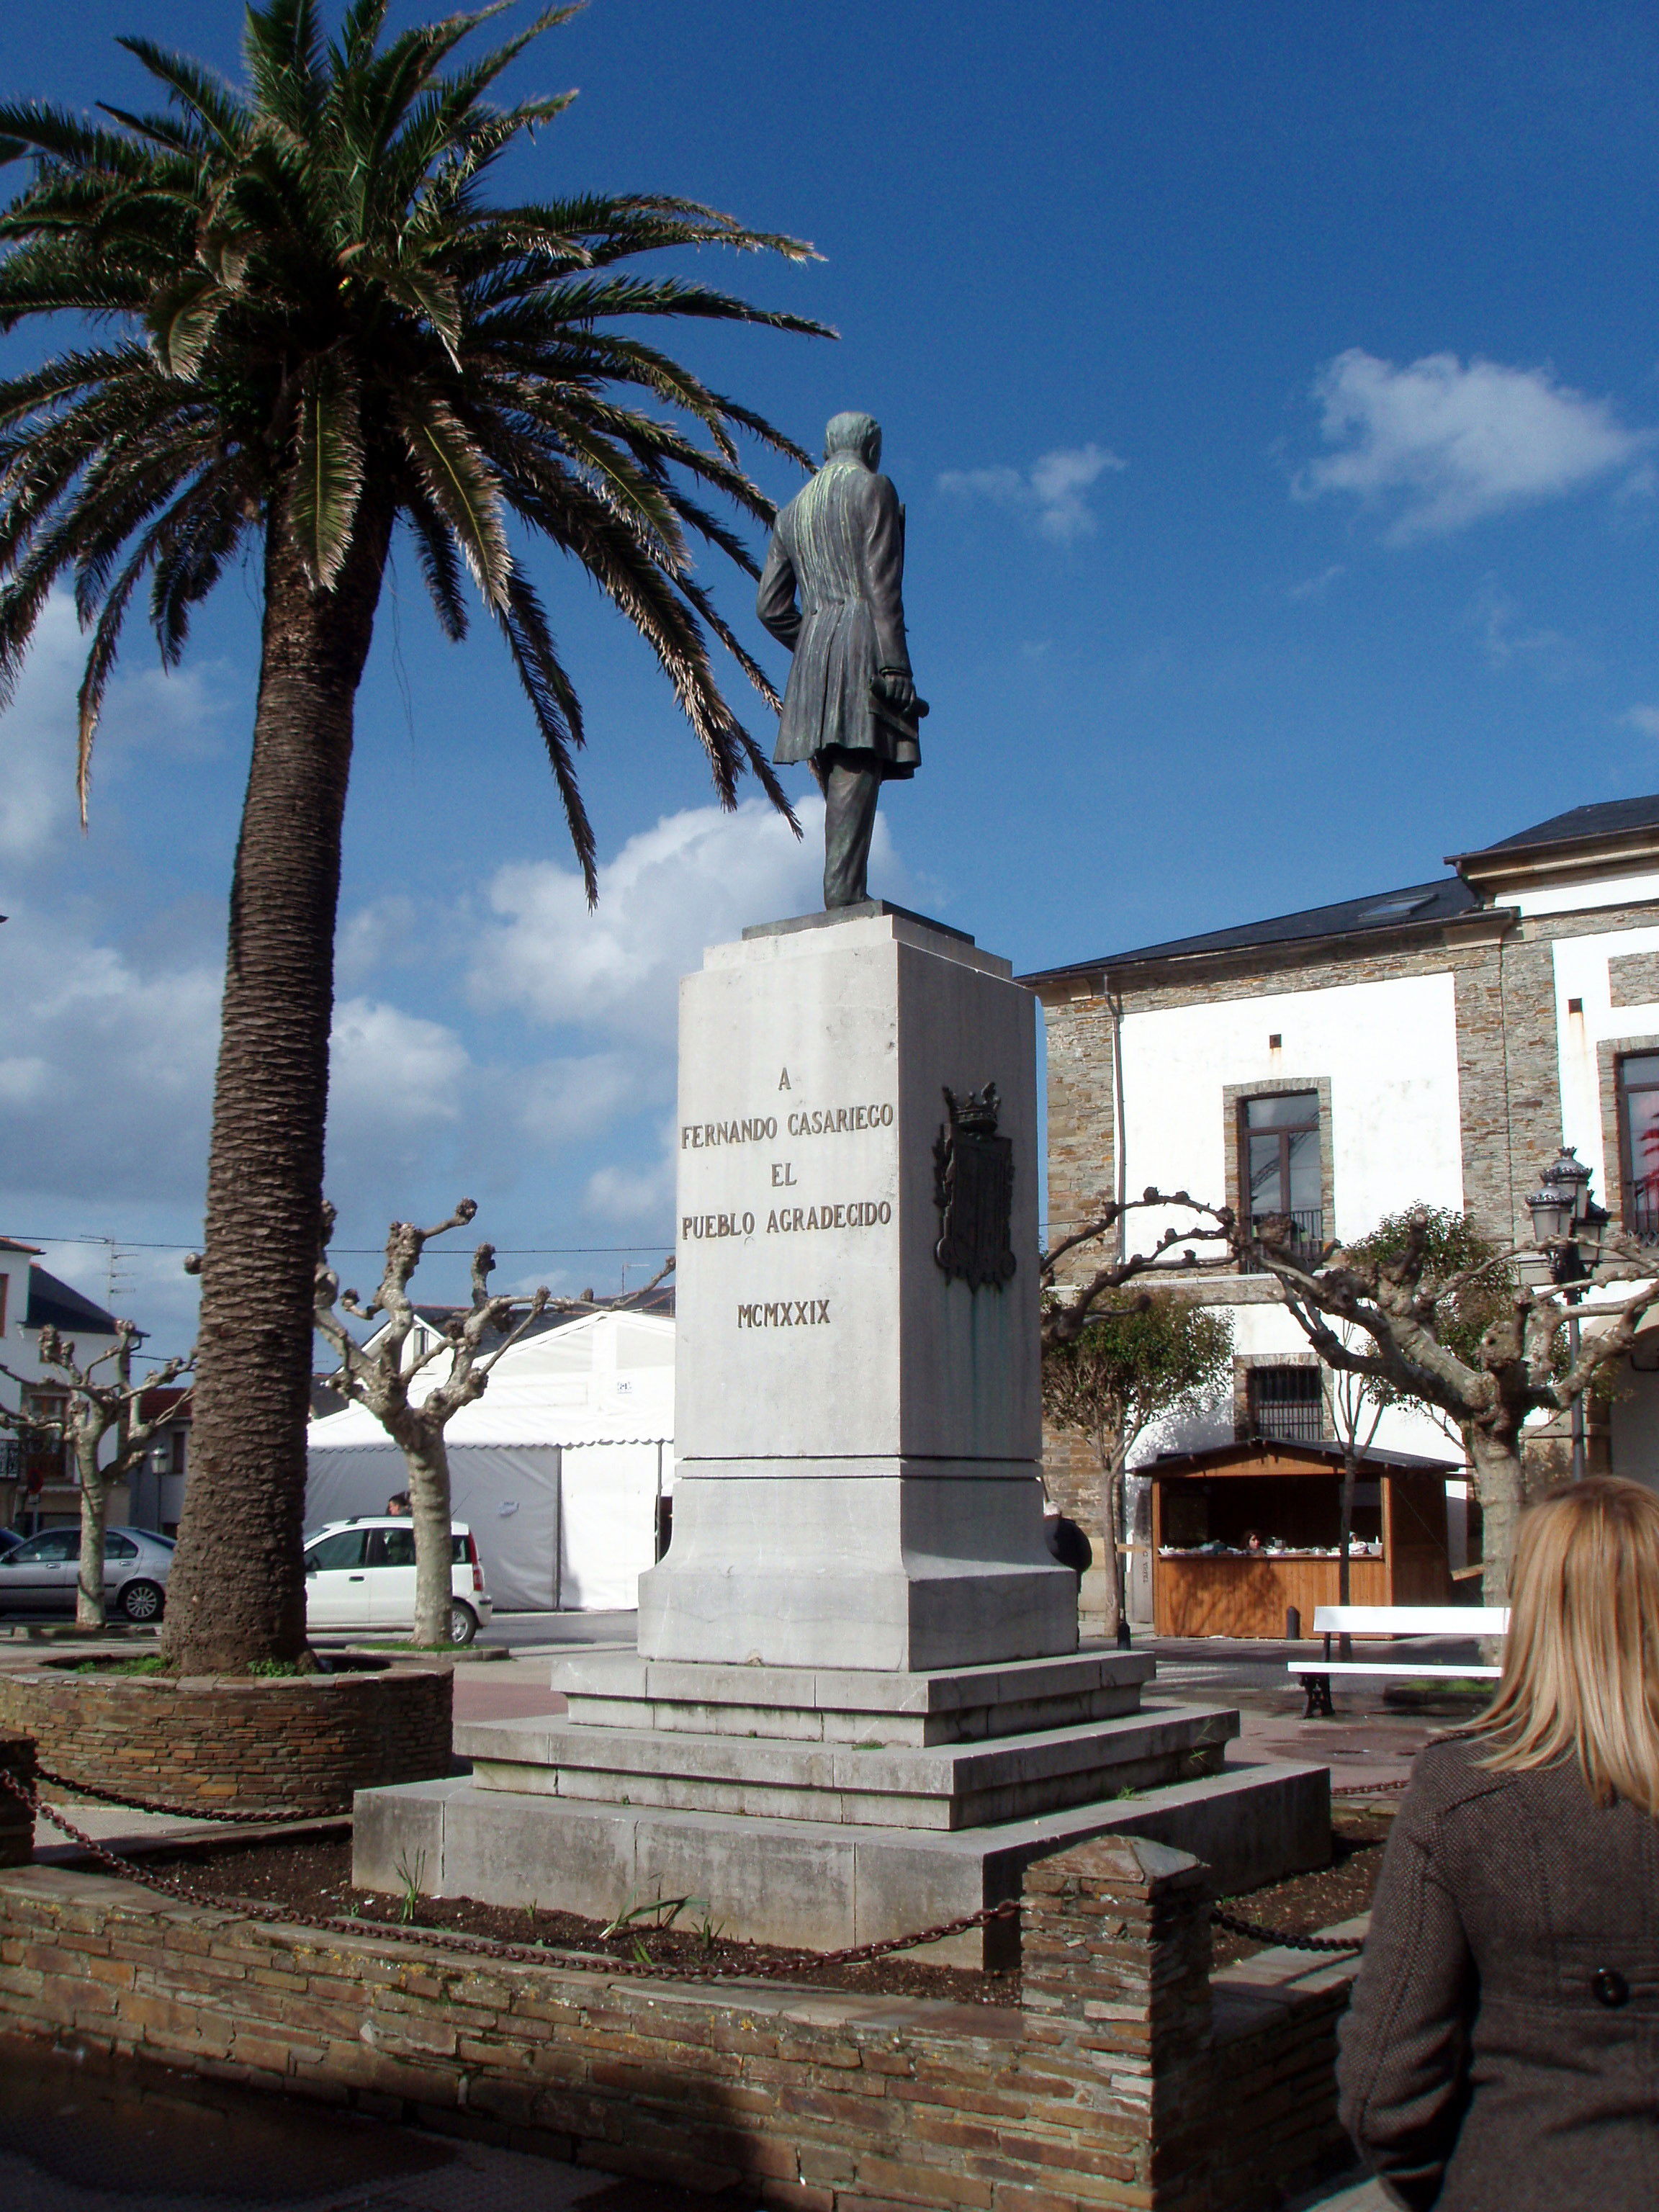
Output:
(854, 432)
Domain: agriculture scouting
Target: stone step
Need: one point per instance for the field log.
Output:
(619, 1689)
(940, 1786)
(808, 1881)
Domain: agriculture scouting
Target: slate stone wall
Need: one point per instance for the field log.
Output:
(304, 1743)
(1130, 2079)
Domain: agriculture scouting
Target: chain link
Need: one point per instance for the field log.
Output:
(1279, 1937)
(243, 1819)
(490, 1946)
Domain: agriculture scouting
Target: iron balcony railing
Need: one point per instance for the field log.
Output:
(1307, 1238)
(1640, 1212)
(1290, 1421)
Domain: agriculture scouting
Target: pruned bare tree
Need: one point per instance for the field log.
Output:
(99, 1405)
(1070, 1299)
(1405, 1310)
(395, 1384)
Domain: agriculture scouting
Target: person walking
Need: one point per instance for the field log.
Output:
(1502, 2051)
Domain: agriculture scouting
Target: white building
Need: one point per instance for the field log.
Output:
(37, 1484)
(1436, 1043)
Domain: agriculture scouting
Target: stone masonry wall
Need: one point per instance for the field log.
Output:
(1509, 1081)
(302, 1743)
(1115, 2087)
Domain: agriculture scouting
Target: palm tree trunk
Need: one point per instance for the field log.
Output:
(237, 1590)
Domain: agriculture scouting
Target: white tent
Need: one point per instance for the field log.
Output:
(557, 1468)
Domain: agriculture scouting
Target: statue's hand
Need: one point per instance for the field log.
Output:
(896, 687)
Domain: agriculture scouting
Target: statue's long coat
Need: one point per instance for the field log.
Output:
(839, 546)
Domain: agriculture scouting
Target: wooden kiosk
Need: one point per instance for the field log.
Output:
(1207, 1580)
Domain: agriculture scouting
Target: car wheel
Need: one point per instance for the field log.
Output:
(142, 1600)
(463, 1623)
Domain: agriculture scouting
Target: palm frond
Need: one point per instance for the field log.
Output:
(328, 478)
(315, 299)
(441, 568)
(201, 94)
(461, 485)
(558, 716)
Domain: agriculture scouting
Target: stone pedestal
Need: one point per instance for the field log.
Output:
(857, 1432)
(857, 1709)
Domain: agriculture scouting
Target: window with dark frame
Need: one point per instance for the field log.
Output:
(1638, 1137)
(1288, 1403)
(1282, 1163)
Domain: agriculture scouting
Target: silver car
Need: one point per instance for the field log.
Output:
(40, 1575)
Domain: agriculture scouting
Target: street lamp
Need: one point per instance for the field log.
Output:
(1565, 1219)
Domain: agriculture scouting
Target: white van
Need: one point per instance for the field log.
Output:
(360, 1574)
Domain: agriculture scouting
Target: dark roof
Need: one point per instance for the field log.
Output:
(1415, 903)
(11, 1244)
(1606, 820)
(1326, 1453)
(660, 1303)
(54, 1304)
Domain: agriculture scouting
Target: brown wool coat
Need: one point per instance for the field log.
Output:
(1502, 2053)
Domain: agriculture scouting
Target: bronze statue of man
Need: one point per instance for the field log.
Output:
(851, 707)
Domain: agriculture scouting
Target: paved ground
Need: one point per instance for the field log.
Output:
(83, 2135)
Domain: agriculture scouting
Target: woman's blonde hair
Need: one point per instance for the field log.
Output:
(1581, 1667)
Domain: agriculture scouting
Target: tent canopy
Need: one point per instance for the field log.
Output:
(556, 1469)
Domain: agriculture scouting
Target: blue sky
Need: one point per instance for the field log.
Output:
(1274, 393)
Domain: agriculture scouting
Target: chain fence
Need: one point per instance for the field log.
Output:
(490, 1946)
(546, 1954)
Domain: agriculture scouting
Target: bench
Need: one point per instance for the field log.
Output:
(1396, 1620)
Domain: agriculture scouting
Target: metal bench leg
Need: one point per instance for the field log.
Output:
(1319, 1706)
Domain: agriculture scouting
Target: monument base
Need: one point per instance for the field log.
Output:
(888, 1564)
(822, 1808)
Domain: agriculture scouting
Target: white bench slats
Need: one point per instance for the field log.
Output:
(1411, 1621)
(1402, 1623)
(1382, 1667)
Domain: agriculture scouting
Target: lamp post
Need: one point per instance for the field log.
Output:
(1564, 1219)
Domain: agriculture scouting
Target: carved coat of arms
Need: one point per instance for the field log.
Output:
(974, 1191)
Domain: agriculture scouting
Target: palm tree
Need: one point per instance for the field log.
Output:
(322, 331)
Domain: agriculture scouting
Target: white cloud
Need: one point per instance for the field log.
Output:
(171, 715)
(104, 1067)
(694, 878)
(564, 1100)
(1507, 638)
(633, 1197)
(1450, 444)
(390, 1070)
(1315, 588)
(1644, 719)
(385, 933)
(1050, 495)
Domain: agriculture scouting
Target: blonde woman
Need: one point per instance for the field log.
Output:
(1501, 2054)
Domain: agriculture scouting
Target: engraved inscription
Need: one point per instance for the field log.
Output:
(703, 1136)
(785, 1313)
(863, 1213)
(710, 1225)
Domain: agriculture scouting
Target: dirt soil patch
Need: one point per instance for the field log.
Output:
(1313, 1902)
(315, 1877)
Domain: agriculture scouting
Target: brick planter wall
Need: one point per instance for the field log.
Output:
(1114, 2088)
(16, 1820)
(293, 1743)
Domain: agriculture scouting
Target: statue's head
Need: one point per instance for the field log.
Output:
(854, 434)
